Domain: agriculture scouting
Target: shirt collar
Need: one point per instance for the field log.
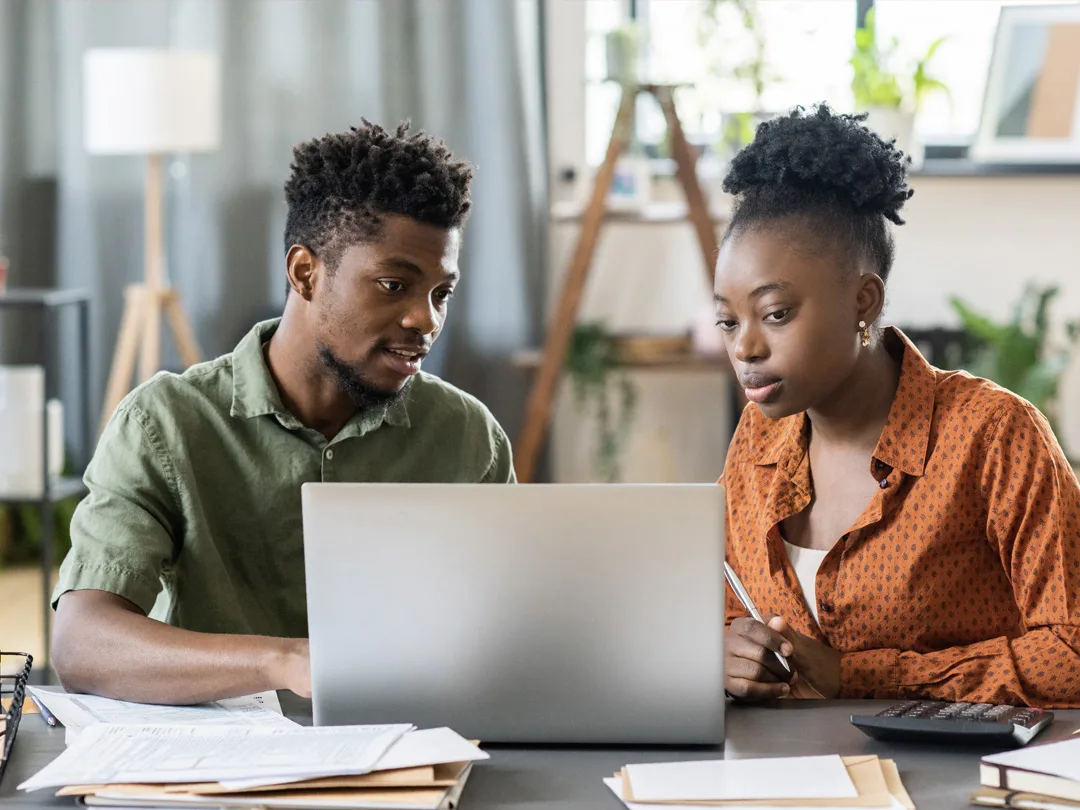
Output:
(905, 439)
(256, 394)
(788, 445)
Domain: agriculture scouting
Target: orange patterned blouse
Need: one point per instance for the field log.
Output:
(961, 579)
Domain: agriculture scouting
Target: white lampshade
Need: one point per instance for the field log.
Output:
(148, 101)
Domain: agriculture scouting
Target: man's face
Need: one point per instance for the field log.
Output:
(379, 312)
(788, 318)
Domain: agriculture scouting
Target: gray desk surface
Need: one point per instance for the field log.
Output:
(938, 777)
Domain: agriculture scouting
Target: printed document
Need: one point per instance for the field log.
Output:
(112, 754)
(77, 712)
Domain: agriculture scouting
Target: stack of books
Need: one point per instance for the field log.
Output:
(344, 767)
(826, 781)
(1042, 777)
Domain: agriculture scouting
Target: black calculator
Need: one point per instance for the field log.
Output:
(933, 721)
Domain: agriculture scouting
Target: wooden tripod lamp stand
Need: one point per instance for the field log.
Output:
(150, 102)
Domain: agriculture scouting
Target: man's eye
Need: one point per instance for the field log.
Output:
(778, 316)
(391, 285)
(444, 295)
(726, 324)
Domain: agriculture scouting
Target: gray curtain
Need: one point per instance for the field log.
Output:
(468, 70)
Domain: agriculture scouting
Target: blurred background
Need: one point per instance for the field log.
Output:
(182, 113)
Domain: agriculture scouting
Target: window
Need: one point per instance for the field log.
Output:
(961, 62)
(807, 45)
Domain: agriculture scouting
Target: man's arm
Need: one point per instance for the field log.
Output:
(125, 534)
(501, 470)
(105, 645)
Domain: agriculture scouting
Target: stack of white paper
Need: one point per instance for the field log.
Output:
(105, 754)
(789, 782)
(333, 767)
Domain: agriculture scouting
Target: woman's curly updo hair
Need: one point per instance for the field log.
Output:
(827, 173)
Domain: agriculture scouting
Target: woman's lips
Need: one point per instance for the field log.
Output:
(761, 393)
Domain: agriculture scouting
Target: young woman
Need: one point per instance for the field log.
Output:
(907, 532)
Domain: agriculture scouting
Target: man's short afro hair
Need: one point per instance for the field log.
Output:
(340, 185)
(828, 171)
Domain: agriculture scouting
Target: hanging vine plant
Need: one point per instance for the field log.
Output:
(601, 385)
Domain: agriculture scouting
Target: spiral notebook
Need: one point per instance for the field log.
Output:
(14, 673)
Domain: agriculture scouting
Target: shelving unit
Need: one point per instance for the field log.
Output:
(592, 216)
(47, 304)
(675, 362)
(655, 213)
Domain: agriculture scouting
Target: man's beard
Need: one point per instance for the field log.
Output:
(363, 394)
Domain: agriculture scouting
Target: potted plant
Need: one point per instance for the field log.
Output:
(602, 386)
(1018, 354)
(891, 99)
(622, 52)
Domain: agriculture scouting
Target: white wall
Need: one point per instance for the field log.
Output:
(984, 238)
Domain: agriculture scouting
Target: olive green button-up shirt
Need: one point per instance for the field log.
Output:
(194, 505)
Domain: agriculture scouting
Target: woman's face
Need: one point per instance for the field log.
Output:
(789, 312)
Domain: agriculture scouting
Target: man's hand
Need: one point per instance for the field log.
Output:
(816, 665)
(751, 670)
(294, 667)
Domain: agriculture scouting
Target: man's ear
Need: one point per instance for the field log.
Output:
(302, 268)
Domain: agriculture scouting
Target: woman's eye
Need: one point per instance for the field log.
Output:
(444, 295)
(390, 285)
(726, 325)
(777, 316)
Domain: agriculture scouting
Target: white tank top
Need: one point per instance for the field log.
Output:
(806, 562)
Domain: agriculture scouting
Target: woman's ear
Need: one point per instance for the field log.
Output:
(870, 297)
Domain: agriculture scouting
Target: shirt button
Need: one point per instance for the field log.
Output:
(884, 483)
(329, 455)
(825, 607)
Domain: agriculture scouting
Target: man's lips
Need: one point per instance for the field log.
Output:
(408, 352)
(404, 360)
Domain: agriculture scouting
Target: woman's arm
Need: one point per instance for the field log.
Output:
(1033, 521)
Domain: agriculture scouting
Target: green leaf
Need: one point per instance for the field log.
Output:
(1040, 384)
(592, 362)
(978, 325)
(1016, 355)
(1041, 307)
(937, 43)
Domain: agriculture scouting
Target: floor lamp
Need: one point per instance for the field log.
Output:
(150, 102)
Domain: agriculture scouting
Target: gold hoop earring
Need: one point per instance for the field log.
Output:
(865, 333)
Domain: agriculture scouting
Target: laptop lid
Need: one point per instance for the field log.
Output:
(527, 613)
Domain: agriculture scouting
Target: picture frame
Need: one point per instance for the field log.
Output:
(1031, 108)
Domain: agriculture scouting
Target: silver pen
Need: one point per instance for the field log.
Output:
(748, 603)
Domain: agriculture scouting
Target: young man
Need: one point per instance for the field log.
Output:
(195, 484)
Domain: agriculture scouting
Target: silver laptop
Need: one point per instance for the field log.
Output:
(528, 613)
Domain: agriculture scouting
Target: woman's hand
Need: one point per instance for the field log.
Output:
(751, 670)
(816, 665)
